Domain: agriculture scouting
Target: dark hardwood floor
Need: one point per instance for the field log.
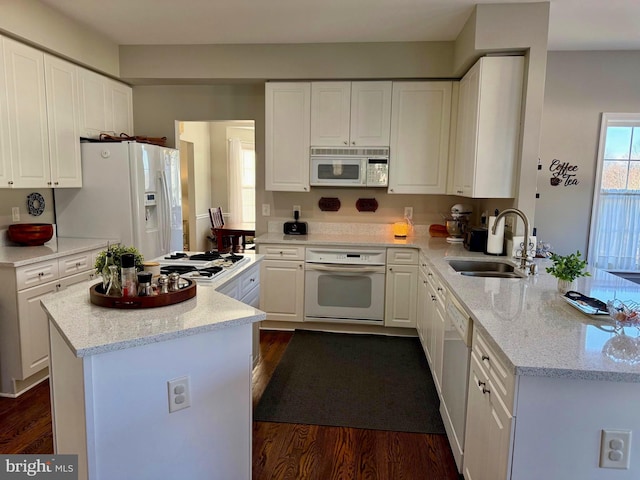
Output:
(310, 452)
(280, 451)
(25, 422)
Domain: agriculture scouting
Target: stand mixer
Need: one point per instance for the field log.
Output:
(457, 222)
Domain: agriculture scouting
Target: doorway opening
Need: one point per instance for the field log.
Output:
(217, 160)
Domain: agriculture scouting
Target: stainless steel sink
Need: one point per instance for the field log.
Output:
(492, 274)
(485, 268)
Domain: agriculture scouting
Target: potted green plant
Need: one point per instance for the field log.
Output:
(567, 268)
(116, 252)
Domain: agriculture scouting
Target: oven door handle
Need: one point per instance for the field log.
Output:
(339, 270)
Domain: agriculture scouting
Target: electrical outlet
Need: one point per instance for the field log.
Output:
(296, 208)
(408, 212)
(615, 446)
(266, 210)
(179, 394)
(15, 214)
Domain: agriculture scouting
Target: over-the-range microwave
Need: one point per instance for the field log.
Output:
(349, 167)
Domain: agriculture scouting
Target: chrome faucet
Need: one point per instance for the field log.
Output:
(524, 265)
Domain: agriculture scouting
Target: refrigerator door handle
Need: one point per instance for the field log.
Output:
(166, 212)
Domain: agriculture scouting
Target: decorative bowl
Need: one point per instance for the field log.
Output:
(30, 234)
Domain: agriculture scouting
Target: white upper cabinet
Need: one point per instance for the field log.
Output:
(105, 106)
(287, 130)
(27, 116)
(120, 107)
(330, 113)
(5, 153)
(356, 114)
(488, 129)
(63, 114)
(420, 121)
(39, 119)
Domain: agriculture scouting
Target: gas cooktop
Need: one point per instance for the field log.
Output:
(200, 266)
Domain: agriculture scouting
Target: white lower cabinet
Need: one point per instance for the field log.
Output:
(401, 288)
(422, 308)
(490, 421)
(24, 351)
(245, 287)
(282, 276)
(436, 319)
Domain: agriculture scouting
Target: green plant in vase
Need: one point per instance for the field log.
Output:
(567, 268)
(109, 261)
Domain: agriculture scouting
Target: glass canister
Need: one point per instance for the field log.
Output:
(128, 275)
(114, 289)
(106, 272)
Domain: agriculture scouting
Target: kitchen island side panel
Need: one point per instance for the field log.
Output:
(68, 412)
(559, 423)
(130, 432)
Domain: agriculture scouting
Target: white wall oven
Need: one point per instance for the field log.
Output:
(345, 285)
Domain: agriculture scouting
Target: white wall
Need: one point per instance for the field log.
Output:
(579, 87)
(199, 193)
(18, 198)
(47, 29)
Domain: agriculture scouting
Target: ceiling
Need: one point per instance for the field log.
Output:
(573, 25)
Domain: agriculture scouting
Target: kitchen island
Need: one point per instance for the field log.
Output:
(562, 382)
(110, 374)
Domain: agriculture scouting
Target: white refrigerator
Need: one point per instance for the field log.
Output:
(131, 192)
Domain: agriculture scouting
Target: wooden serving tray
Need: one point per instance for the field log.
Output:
(97, 297)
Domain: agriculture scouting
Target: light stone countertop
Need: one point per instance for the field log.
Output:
(90, 329)
(526, 319)
(18, 256)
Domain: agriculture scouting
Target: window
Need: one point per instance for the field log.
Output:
(614, 242)
(248, 182)
(242, 181)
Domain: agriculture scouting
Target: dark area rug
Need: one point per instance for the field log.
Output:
(360, 381)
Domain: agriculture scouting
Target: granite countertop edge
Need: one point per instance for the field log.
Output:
(93, 329)
(521, 356)
(14, 256)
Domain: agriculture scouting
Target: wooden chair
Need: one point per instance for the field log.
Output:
(224, 243)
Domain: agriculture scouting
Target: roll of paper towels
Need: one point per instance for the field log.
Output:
(495, 242)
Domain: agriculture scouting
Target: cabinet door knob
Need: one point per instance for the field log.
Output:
(481, 383)
(10, 182)
(485, 357)
(346, 143)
